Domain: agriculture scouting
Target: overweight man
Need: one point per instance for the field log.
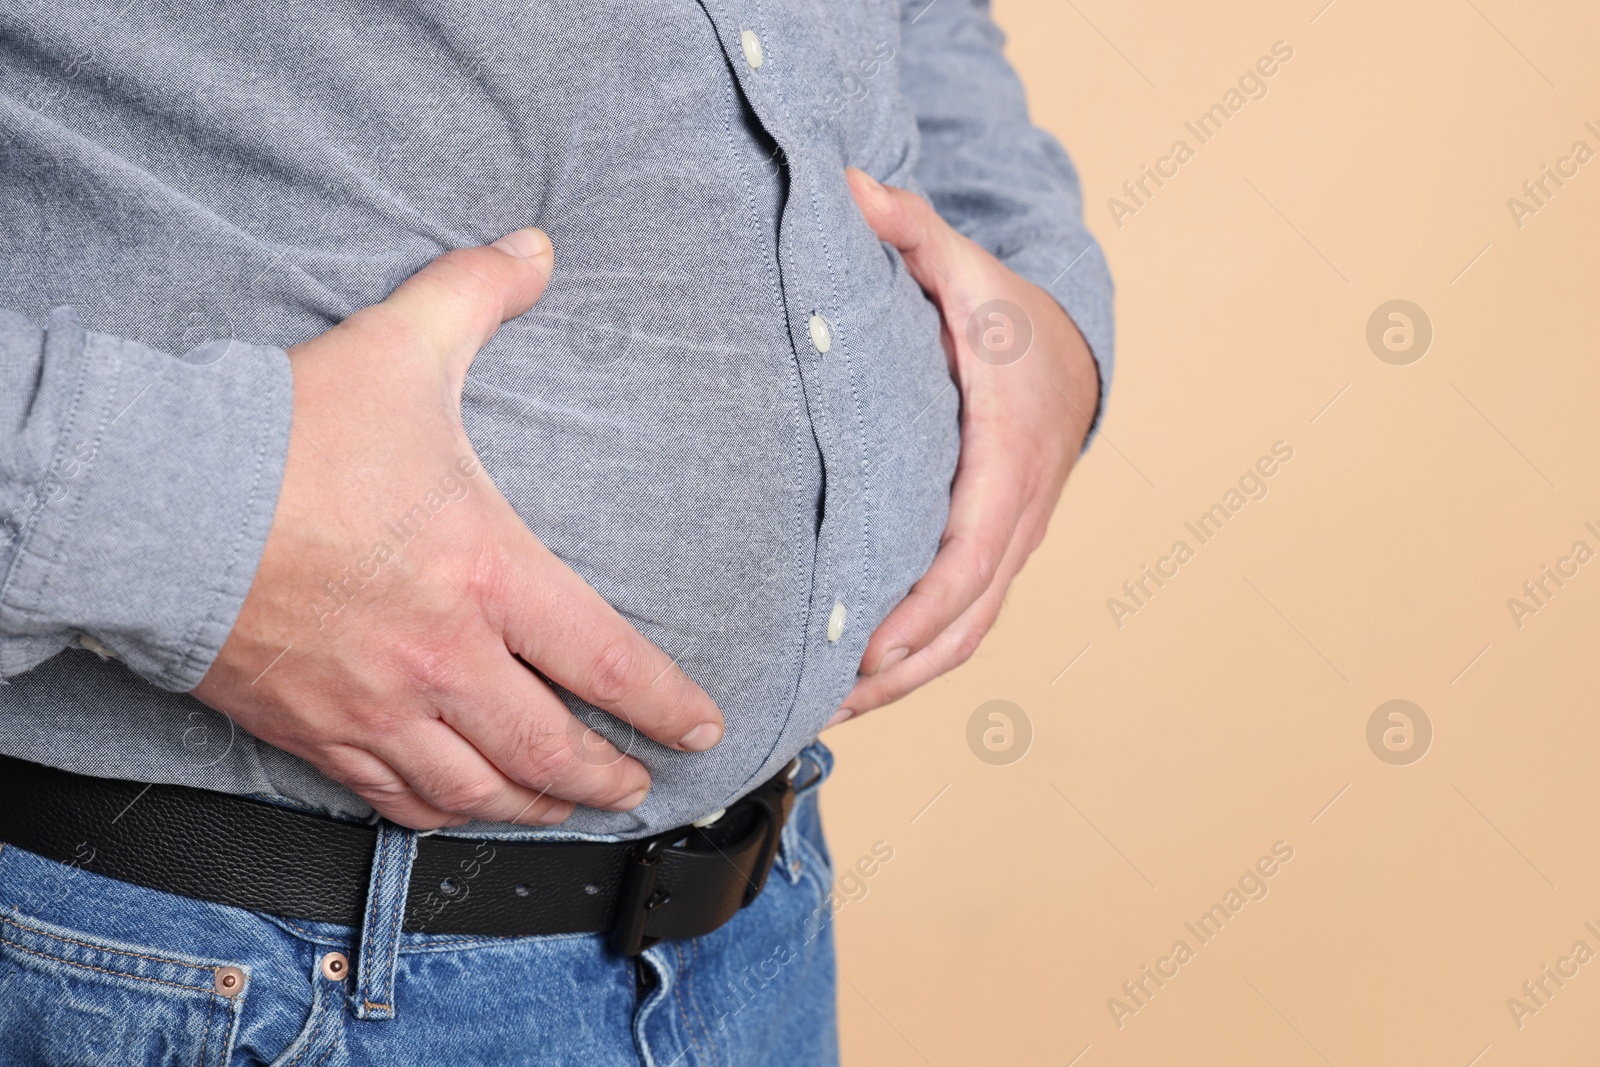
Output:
(455, 458)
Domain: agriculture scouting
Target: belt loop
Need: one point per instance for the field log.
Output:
(379, 951)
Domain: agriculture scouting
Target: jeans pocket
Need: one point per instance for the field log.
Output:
(69, 998)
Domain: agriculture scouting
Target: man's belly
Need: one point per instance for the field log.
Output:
(659, 425)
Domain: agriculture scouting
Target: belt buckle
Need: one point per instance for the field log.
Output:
(774, 799)
(638, 895)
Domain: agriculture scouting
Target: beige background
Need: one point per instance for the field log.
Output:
(1232, 709)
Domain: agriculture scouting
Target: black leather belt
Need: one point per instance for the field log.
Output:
(263, 857)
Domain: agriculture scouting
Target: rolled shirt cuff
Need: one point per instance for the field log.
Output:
(144, 529)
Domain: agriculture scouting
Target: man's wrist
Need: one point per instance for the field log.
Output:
(1079, 282)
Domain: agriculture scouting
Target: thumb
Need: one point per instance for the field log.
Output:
(455, 304)
(926, 243)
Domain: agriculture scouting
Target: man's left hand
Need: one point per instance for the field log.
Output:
(1029, 390)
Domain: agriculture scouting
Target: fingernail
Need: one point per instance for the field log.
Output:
(631, 801)
(866, 179)
(890, 658)
(525, 243)
(840, 716)
(702, 737)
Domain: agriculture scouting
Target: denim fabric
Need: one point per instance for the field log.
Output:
(378, 957)
(662, 420)
(96, 972)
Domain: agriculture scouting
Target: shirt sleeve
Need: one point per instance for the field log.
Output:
(136, 493)
(995, 176)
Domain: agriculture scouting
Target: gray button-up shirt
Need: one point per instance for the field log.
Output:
(731, 412)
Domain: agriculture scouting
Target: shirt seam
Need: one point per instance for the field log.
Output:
(73, 414)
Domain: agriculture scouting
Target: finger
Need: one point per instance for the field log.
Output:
(380, 785)
(909, 674)
(457, 302)
(556, 622)
(947, 651)
(928, 245)
(447, 772)
(985, 508)
(521, 727)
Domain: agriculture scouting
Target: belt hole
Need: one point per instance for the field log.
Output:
(591, 889)
(449, 887)
(520, 890)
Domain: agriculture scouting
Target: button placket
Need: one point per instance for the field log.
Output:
(832, 383)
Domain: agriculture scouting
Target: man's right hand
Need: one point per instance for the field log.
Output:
(405, 669)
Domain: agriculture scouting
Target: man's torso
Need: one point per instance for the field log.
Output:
(664, 419)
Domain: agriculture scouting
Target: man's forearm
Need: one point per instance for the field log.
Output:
(136, 493)
(992, 174)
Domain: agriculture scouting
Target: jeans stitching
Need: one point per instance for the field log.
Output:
(423, 946)
(205, 1040)
(435, 943)
(370, 967)
(326, 1053)
(98, 948)
(677, 993)
(694, 951)
(391, 950)
(307, 934)
(372, 910)
(103, 970)
(311, 1038)
(85, 944)
(316, 1019)
(814, 858)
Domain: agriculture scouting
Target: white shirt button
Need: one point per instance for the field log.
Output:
(707, 820)
(85, 641)
(836, 621)
(820, 337)
(752, 47)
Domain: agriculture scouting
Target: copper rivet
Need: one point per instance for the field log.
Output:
(229, 981)
(335, 967)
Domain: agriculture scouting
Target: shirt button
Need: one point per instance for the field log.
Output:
(752, 47)
(85, 641)
(707, 820)
(820, 337)
(836, 621)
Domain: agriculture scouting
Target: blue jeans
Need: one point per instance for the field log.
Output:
(95, 971)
